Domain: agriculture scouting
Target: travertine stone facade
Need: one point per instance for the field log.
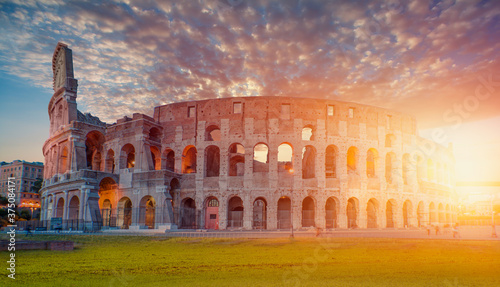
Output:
(253, 162)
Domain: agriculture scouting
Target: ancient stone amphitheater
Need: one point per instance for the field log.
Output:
(241, 163)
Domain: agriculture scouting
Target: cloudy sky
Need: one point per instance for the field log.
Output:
(437, 60)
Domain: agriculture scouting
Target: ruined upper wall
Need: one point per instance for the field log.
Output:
(285, 110)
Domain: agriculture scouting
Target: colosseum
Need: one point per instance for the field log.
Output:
(241, 163)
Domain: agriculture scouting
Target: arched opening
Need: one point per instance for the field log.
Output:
(284, 213)
(259, 213)
(154, 135)
(106, 212)
(147, 211)
(285, 159)
(236, 160)
(441, 213)
(107, 191)
(406, 168)
(127, 156)
(352, 159)
(421, 214)
(371, 213)
(74, 208)
(431, 176)
(307, 133)
(63, 164)
(389, 167)
(260, 158)
(188, 213)
(432, 213)
(407, 211)
(331, 213)
(212, 133)
(235, 212)
(110, 162)
(96, 161)
(390, 140)
(371, 158)
(389, 214)
(60, 207)
(189, 160)
(124, 214)
(308, 212)
(212, 161)
(169, 159)
(212, 213)
(156, 158)
(308, 162)
(352, 212)
(331, 161)
(93, 145)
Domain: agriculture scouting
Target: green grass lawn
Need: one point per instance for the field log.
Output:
(155, 261)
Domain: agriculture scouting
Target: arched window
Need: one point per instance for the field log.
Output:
(352, 159)
(127, 156)
(371, 159)
(156, 158)
(308, 162)
(285, 158)
(189, 160)
(307, 133)
(236, 160)
(331, 161)
(212, 161)
(260, 158)
(169, 159)
(212, 133)
(155, 134)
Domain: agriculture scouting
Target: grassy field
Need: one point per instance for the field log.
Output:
(154, 261)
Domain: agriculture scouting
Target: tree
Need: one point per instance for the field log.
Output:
(37, 185)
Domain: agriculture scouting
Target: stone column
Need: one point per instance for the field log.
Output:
(66, 209)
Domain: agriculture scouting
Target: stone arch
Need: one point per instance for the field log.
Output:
(371, 163)
(212, 213)
(308, 162)
(106, 213)
(352, 159)
(331, 209)
(168, 160)
(352, 212)
(155, 157)
(124, 214)
(407, 213)
(390, 140)
(188, 213)
(331, 161)
(372, 210)
(212, 133)
(390, 163)
(74, 208)
(432, 213)
(308, 133)
(308, 212)
(441, 213)
(93, 144)
(189, 159)
(261, 158)
(284, 213)
(285, 158)
(421, 214)
(259, 213)
(127, 156)
(154, 134)
(212, 161)
(64, 160)
(96, 161)
(60, 208)
(147, 207)
(109, 165)
(390, 208)
(236, 158)
(235, 212)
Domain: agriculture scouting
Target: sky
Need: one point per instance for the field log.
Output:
(436, 60)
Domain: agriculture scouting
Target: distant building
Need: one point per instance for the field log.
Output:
(25, 174)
